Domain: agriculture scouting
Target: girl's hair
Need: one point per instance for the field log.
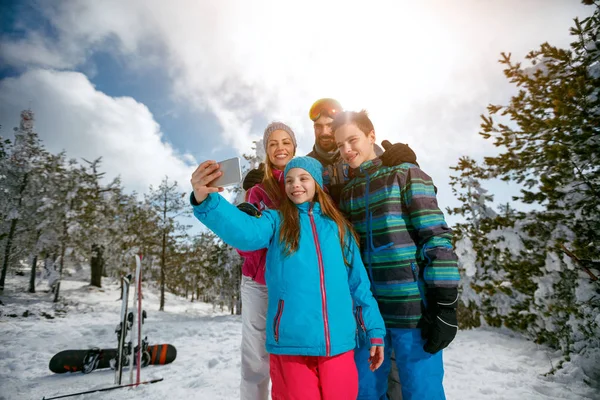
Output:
(290, 223)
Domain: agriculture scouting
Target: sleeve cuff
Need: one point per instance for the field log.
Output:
(209, 204)
(193, 201)
(376, 342)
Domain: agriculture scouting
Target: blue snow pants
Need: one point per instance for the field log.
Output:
(421, 374)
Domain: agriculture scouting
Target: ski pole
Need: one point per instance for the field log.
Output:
(103, 389)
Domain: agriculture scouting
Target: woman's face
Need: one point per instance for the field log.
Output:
(280, 149)
(299, 186)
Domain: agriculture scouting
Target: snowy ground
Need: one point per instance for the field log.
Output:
(480, 364)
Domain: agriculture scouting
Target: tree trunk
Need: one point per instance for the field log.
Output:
(97, 264)
(63, 247)
(11, 234)
(33, 272)
(162, 272)
(7, 249)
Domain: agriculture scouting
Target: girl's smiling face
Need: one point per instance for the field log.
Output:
(299, 186)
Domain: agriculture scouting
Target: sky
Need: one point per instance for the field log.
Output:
(157, 87)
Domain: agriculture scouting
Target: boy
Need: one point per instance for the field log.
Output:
(406, 247)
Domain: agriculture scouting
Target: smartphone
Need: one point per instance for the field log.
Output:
(232, 173)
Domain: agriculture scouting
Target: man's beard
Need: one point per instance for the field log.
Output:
(328, 145)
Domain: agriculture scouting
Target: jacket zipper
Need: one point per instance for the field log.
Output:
(277, 320)
(322, 275)
(361, 321)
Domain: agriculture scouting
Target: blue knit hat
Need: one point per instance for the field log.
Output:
(310, 165)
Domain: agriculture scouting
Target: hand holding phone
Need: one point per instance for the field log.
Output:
(231, 173)
(206, 172)
(210, 177)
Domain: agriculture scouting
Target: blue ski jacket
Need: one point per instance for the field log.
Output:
(317, 304)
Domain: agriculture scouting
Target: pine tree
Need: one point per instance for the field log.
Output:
(98, 213)
(167, 204)
(548, 138)
(22, 168)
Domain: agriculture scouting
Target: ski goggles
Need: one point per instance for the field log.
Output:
(329, 107)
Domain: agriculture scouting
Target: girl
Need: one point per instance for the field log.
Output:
(280, 146)
(315, 278)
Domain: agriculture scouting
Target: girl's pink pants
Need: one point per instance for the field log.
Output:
(314, 378)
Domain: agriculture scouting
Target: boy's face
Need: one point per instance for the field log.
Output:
(323, 134)
(355, 147)
(299, 186)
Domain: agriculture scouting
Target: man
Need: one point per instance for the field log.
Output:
(406, 247)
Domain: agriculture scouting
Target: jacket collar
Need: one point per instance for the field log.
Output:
(277, 174)
(309, 205)
(368, 167)
(325, 157)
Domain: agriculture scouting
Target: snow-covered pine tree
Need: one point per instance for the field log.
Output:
(203, 266)
(549, 141)
(68, 206)
(98, 213)
(22, 178)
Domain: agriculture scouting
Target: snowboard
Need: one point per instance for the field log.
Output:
(73, 360)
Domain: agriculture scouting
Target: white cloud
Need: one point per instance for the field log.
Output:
(72, 115)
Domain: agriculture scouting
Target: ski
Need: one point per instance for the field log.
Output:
(103, 389)
(122, 329)
(139, 319)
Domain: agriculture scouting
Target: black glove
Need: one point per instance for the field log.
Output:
(249, 209)
(396, 154)
(438, 324)
(254, 176)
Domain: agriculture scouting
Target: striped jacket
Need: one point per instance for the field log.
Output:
(335, 171)
(404, 240)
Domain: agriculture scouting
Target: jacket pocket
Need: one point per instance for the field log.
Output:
(413, 266)
(361, 329)
(277, 320)
(359, 319)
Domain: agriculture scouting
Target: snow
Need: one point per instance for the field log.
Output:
(481, 363)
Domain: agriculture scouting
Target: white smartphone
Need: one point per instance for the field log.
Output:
(232, 173)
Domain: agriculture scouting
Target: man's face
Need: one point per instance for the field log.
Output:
(355, 147)
(323, 134)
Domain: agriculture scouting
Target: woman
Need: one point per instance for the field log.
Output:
(280, 147)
